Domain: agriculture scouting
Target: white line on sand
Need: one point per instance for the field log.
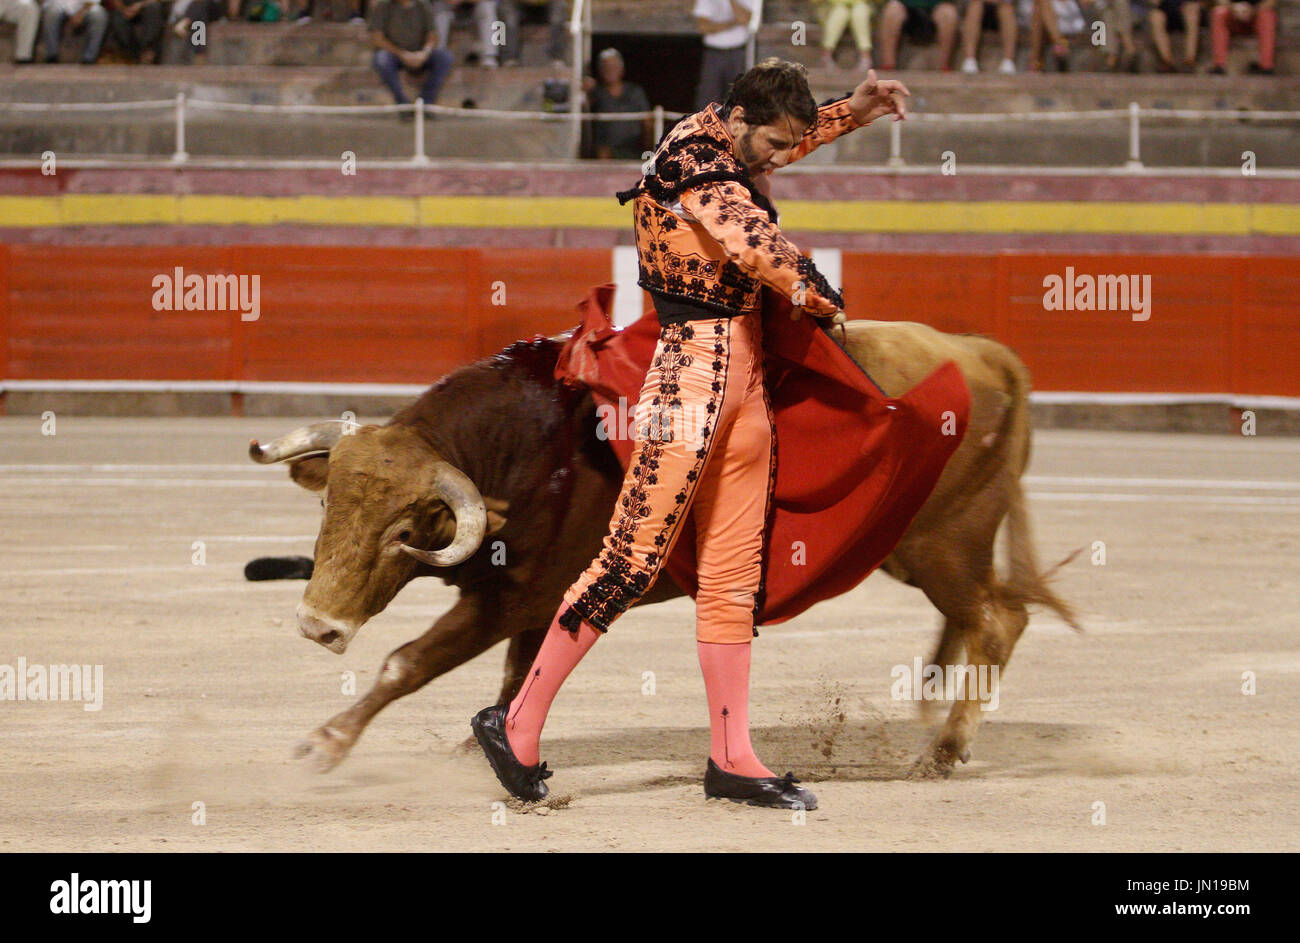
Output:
(1244, 484)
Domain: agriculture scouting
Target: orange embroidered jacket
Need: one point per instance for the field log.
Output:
(707, 238)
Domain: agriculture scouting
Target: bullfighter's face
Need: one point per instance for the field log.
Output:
(760, 149)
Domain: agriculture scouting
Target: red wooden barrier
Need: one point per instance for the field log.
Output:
(1217, 324)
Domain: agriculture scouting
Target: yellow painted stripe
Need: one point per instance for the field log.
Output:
(589, 212)
(512, 212)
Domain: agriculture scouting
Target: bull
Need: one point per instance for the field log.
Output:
(499, 449)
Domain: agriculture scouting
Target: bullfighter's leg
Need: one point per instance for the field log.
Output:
(682, 404)
(520, 655)
(463, 632)
(730, 514)
(704, 429)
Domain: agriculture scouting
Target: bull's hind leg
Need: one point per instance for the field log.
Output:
(462, 632)
(948, 651)
(987, 647)
(959, 582)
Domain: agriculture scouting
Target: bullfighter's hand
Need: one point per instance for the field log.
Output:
(877, 97)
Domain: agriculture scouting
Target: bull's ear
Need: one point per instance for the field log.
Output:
(496, 513)
(311, 472)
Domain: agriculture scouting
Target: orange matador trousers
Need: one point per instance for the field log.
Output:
(703, 446)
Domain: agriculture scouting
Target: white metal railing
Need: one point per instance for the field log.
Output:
(182, 105)
(751, 40)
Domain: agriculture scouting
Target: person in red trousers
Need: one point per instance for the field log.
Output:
(1243, 17)
(707, 243)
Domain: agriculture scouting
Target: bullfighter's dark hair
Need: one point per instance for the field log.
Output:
(771, 89)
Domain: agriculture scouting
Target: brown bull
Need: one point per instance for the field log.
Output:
(500, 468)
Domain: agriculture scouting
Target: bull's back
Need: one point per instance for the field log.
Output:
(900, 354)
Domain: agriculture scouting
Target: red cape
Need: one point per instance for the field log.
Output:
(854, 466)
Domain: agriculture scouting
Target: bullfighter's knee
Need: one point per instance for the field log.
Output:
(724, 617)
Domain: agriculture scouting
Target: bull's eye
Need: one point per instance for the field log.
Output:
(404, 536)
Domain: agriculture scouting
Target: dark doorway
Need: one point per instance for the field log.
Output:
(666, 65)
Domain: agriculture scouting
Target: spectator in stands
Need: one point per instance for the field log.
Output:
(88, 16)
(404, 37)
(1053, 21)
(1244, 16)
(137, 28)
(557, 17)
(856, 14)
(977, 13)
(1121, 52)
(617, 140)
(725, 26)
(485, 14)
(25, 15)
(1175, 16)
(185, 13)
(922, 20)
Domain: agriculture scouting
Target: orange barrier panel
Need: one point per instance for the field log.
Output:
(325, 313)
(1217, 324)
(1212, 324)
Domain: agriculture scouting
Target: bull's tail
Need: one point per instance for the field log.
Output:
(1026, 583)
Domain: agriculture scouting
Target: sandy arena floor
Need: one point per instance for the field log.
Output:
(208, 685)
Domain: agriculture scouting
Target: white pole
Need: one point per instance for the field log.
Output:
(895, 144)
(659, 124)
(179, 156)
(1134, 137)
(575, 81)
(751, 41)
(419, 157)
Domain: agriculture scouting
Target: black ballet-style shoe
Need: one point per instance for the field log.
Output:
(775, 792)
(522, 782)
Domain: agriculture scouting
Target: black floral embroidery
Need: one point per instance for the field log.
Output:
(620, 584)
(695, 158)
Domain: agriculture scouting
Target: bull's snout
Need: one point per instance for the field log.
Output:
(333, 635)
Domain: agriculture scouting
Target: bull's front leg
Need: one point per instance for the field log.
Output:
(462, 633)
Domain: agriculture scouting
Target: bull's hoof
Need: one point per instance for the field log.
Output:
(324, 748)
(930, 767)
(940, 761)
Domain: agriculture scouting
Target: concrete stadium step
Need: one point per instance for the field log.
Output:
(270, 136)
(513, 89)
(521, 88)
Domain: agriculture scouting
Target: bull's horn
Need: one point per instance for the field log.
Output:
(318, 437)
(462, 496)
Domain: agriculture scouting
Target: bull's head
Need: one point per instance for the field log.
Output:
(391, 503)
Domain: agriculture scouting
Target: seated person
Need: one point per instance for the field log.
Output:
(923, 20)
(617, 140)
(404, 37)
(978, 14)
(1243, 17)
(1174, 16)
